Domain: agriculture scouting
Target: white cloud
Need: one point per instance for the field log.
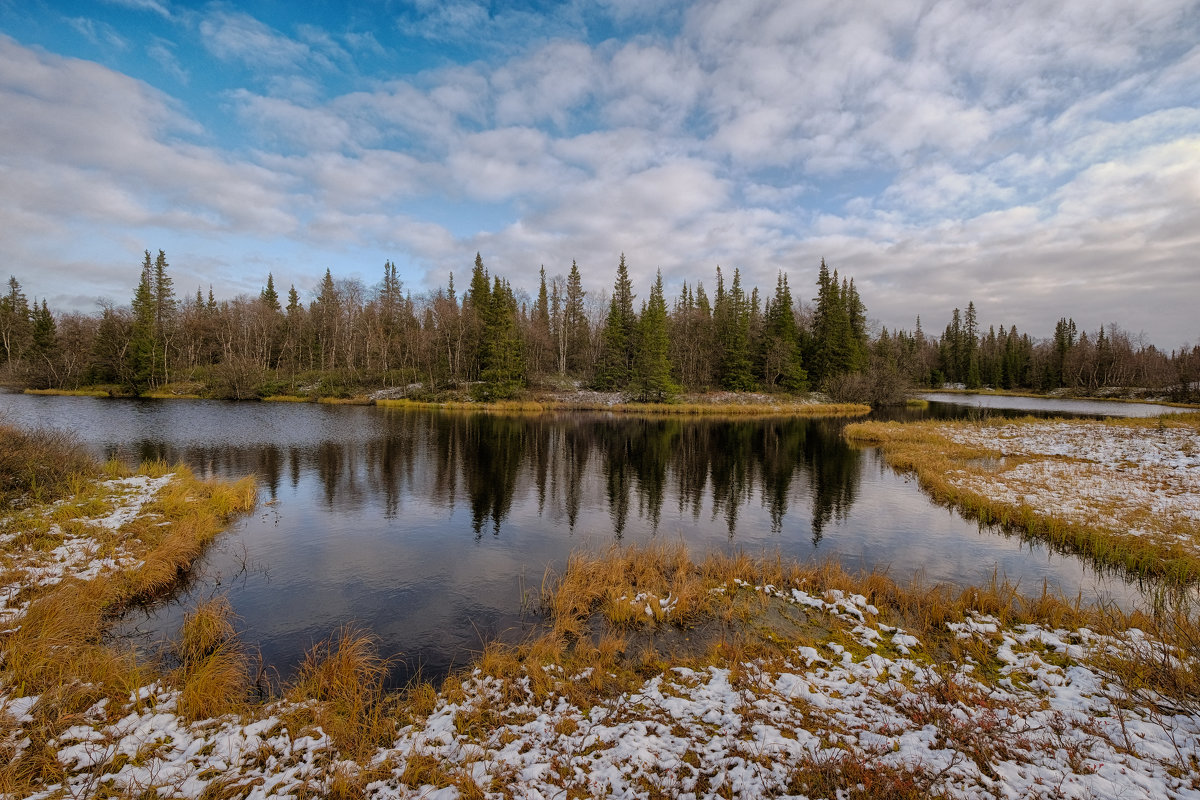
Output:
(235, 36)
(98, 33)
(143, 5)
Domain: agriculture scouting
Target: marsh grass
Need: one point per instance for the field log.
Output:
(918, 448)
(345, 676)
(649, 409)
(60, 651)
(40, 465)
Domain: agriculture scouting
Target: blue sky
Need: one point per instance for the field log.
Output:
(1039, 158)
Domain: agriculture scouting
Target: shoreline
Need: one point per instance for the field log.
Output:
(713, 404)
(1065, 396)
(1123, 492)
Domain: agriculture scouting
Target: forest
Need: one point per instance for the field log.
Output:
(494, 342)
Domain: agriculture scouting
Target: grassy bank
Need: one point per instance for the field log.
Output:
(656, 675)
(80, 542)
(1121, 492)
(1063, 394)
(685, 408)
(716, 405)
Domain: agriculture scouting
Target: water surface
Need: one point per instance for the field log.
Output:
(428, 528)
(1054, 405)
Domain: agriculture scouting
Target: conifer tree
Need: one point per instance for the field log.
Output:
(969, 365)
(139, 371)
(834, 340)
(14, 322)
(782, 365)
(268, 296)
(731, 324)
(652, 380)
(164, 319)
(502, 368)
(43, 350)
(619, 334)
(575, 325)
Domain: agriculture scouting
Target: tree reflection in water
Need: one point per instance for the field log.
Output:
(566, 462)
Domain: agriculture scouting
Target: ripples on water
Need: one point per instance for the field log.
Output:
(426, 527)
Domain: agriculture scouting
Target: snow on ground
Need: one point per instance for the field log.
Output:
(1137, 479)
(876, 706)
(77, 555)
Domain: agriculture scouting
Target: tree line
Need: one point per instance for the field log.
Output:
(496, 342)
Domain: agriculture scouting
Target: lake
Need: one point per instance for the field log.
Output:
(429, 528)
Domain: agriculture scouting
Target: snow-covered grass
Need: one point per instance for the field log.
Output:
(654, 676)
(1122, 491)
(821, 685)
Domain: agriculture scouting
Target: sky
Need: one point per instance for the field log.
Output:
(1038, 157)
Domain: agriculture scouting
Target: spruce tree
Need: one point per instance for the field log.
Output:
(619, 337)
(782, 365)
(139, 360)
(164, 319)
(731, 321)
(652, 380)
(14, 322)
(502, 369)
(268, 296)
(575, 324)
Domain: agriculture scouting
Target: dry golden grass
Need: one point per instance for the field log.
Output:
(59, 651)
(213, 675)
(782, 409)
(345, 675)
(88, 392)
(40, 465)
(920, 449)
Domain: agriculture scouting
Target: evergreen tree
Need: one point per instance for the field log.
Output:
(540, 340)
(43, 350)
(782, 366)
(164, 319)
(268, 296)
(477, 308)
(619, 335)
(969, 365)
(139, 360)
(502, 368)
(731, 324)
(575, 325)
(14, 323)
(652, 366)
(837, 347)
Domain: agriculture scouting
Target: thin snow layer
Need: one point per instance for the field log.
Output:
(87, 548)
(875, 709)
(1139, 480)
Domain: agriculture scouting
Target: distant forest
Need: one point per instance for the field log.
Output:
(494, 343)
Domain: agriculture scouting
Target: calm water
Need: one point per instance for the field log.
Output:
(427, 527)
(1044, 405)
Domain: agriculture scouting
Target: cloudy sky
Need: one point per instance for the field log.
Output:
(1041, 158)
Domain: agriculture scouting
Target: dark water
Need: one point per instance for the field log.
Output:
(427, 528)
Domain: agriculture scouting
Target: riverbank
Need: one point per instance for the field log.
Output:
(663, 677)
(713, 403)
(1112, 395)
(1122, 492)
(655, 675)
